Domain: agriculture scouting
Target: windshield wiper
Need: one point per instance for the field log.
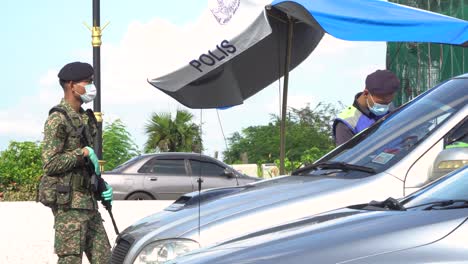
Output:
(334, 165)
(446, 204)
(443, 204)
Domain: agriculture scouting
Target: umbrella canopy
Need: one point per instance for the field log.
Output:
(244, 61)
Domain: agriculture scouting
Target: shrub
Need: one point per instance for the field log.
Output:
(25, 192)
(20, 169)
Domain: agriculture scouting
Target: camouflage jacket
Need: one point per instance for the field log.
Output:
(62, 153)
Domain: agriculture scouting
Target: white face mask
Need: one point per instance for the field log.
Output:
(378, 109)
(90, 93)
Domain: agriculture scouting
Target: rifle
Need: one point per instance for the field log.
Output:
(98, 186)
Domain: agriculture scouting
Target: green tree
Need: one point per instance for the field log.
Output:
(172, 135)
(21, 163)
(314, 153)
(308, 137)
(259, 142)
(321, 117)
(20, 170)
(117, 145)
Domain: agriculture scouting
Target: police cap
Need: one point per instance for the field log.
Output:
(382, 82)
(76, 71)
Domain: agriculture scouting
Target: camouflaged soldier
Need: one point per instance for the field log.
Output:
(69, 134)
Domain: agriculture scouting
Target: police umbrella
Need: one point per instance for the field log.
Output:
(281, 34)
(243, 62)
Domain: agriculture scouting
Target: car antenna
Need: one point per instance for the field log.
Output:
(200, 180)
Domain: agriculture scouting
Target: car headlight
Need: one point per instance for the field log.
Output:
(165, 250)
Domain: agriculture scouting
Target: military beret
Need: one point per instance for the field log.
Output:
(382, 82)
(76, 71)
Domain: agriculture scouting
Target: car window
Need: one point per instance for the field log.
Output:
(206, 168)
(128, 163)
(454, 186)
(458, 137)
(387, 142)
(164, 167)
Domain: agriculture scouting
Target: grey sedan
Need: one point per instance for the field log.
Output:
(429, 226)
(167, 176)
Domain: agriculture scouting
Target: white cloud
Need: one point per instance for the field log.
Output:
(49, 79)
(295, 101)
(25, 120)
(23, 127)
(330, 45)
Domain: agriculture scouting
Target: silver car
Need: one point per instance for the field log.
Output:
(394, 157)
(429, 226)
(167, 176)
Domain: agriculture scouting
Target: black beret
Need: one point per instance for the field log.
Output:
(76, 71)
(382, 82)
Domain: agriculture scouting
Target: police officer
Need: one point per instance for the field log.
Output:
(368, 107)
(69, 135)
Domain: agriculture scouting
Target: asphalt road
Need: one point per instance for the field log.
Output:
(27, 234)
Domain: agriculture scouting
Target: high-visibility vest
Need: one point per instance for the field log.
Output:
(354, 119)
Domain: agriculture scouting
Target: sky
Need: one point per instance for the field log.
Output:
(39, 37)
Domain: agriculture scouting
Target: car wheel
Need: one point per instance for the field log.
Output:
(140, 196)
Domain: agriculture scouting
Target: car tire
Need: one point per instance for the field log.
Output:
(140, 196)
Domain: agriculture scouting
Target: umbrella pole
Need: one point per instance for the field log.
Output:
(285, 95)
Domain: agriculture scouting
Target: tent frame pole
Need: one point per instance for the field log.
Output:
(285, 95)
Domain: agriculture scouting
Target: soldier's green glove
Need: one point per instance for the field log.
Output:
(107, 194)
(94, 159)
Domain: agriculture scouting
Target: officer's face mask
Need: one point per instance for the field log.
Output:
(90, 93)
(377, 109)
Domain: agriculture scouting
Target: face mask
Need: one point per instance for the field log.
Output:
(378, 109)
(90, 93)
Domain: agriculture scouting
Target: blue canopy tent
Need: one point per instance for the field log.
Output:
(285, 34)
(375, 20)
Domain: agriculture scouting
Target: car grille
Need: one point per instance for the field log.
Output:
(120, 251)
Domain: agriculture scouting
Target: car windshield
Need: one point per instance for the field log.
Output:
(454, 186)
(391, 139)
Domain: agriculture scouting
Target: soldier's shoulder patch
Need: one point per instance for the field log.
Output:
(55, 125)
(55, 116)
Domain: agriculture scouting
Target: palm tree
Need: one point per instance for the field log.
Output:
(167, 135)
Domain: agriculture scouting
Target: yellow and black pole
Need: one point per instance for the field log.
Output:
(96, 33)
(96, 42)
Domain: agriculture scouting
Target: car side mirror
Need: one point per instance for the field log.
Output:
(448, 160)
(228, 173)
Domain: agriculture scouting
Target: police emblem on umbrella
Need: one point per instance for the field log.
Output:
(224, 10)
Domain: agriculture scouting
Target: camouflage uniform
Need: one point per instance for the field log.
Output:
(77, 222)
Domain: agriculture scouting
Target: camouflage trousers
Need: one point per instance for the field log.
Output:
(78, 231)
